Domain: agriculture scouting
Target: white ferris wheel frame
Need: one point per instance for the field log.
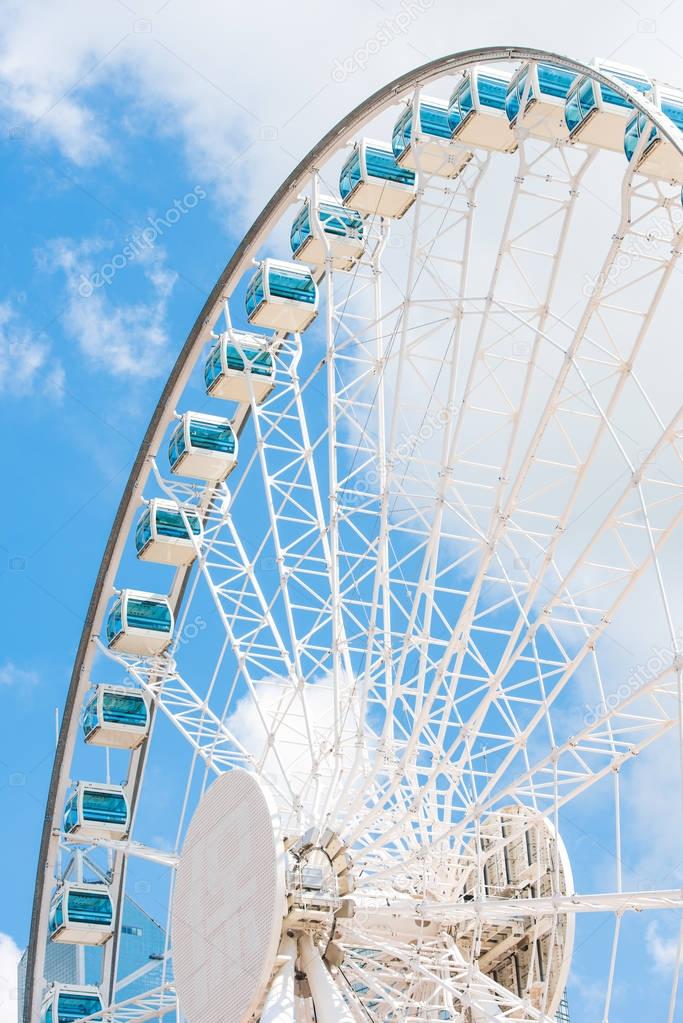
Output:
(338, 136)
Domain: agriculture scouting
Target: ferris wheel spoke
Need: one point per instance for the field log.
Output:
(665, 268)
(513, 236)
(392, 977)
(127, 847)
(455, 227)
(620, 570)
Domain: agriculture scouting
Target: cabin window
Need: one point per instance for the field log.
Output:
(57, 915)
(462, 105)
(400, 139)
(89, 907)
(350, 175)
(674, 111)
(71, 813)
(255, 293)
(434, 121)
(109, 807)
(286, 284)
(261, 362)
(634, 130)
(176, 445)
(171, 523)
(143, 531)
(212, 368)
(212, 436)
(554, 81)
(513, 99)
(381, 164)
(117, 708)
(301, 229)
(76, 1006)
(115, 622)
(587, 99)
(90, 717)
(492, 92)
(148, 614)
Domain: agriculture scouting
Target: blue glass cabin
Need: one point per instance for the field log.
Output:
(68, 1003)
(282, 296)
(162, 534)
(139, 623)
(476, 111)
(543, 89)
(430, 144)
(115, 716)
(595, 113)
(97, 811)
(342, 231)
(202, 446)
(372, 182)
(81, 914)
(656, 156)
(239, 365)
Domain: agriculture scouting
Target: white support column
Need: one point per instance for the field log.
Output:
(330, 1006)
(279, 1007)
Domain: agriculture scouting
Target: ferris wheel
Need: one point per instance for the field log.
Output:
(351, 713)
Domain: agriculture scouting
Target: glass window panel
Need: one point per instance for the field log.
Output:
(492, 92)
(381, 164)
(461, 105)
(212, 436)
(400, 139)
(291, 285)
(74, 1006)
(554, 81)
(71, 813)
(176, 445)
(434, 121)
(587, 97)
(148, 614)
(114, 621)
(89, 907)
(124, 709)
(90, 717)
(105, 807)
(255, 293)
(674, 111)
(143, 531)
(350, 174)
(212, 368)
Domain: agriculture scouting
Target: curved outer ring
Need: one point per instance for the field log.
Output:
(238, 264)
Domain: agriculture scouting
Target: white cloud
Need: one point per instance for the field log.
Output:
(11, 675)
(27, 363)
(222, 100)
(120, 338)
(301, 725)
(9, 959)
(662, 951)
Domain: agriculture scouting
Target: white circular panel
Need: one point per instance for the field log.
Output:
(229, 902)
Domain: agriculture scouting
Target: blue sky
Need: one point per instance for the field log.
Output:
(110, 117)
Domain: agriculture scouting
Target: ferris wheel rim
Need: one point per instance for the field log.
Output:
(335, 138)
